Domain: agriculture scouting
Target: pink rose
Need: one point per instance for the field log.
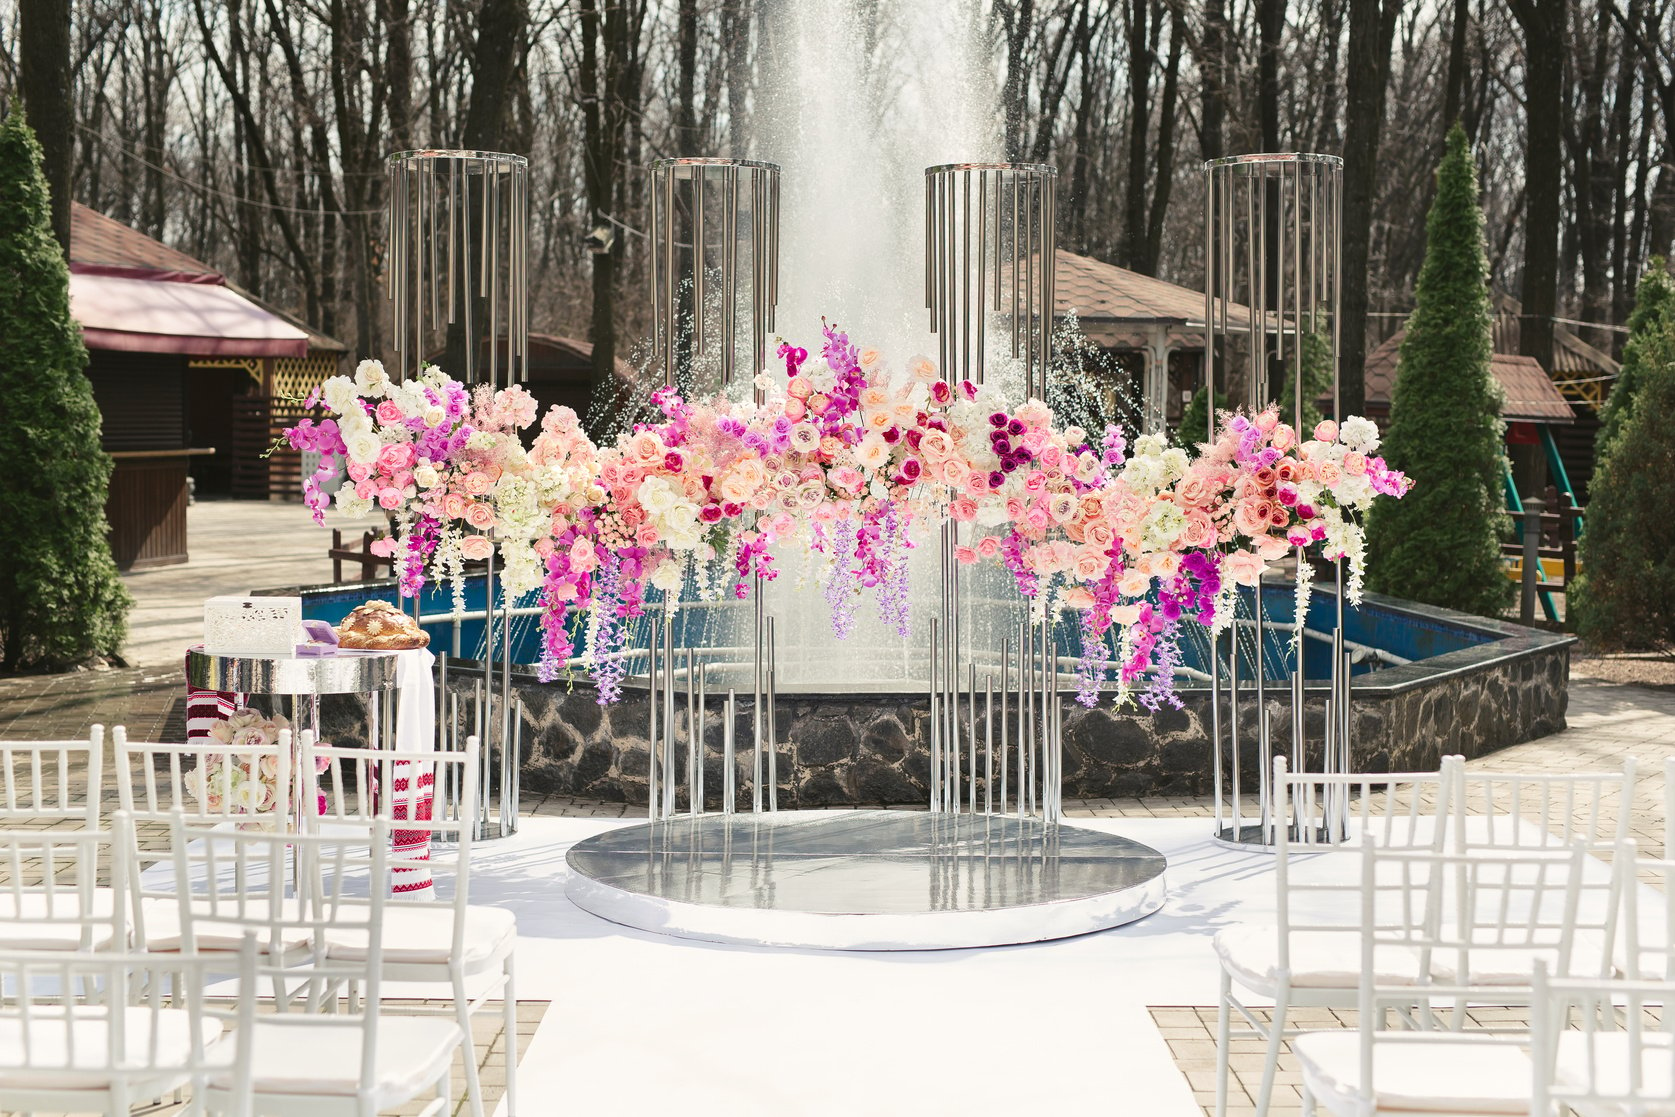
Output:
(1284, 437)
(646, 535)
(1200, 530)
(963, 509)
(965, 555)
(1090, 564)
(1038, 518)
(1354, 463)
(1251, 517)
(454, 505)
(795, 409)
(480, 516)
(477, 482)
(390, 499)
(395, 457)
(359, 471)
(989, 546)
(1099, 534)
(476, 548)
(584, 556)
(389, 413)
(366, 489)
(1267, 421)
(1078, 598)
(1326, 431)
(1243, 567)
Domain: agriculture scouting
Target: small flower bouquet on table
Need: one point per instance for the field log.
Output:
(235, 784)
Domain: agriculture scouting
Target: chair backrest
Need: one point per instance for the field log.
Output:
(53, 782)
(429, 802)
(50, 897)
(1669, 809)
(1649, 950)
(1396, 810)
(112, 1030)
(209, 782)
(1603, 1046)
(232, 882)
(1520, 810)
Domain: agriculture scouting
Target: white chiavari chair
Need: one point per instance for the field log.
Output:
(76, 1037)
(1416, 1046)
(50, 895)
(318, 1053)
(445, 940)
(208, 788)
(1311, 955)
(52, 783)
(1551, 810)
(1603, 1049)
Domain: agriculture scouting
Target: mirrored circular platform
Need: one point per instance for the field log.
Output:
(865, 880)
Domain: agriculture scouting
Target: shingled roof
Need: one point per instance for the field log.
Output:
(1096, 290)
(98, 242)
(1530, 395)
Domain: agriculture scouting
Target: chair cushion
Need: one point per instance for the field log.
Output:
(1515, 965)
(1319, 959)
(422, 934)
(74, 1056)
(1608, 1075)
(321, 1056)
(1448, 1074)
(160, 922)
(64, 904)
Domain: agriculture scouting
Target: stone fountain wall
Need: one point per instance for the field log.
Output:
(870, 750)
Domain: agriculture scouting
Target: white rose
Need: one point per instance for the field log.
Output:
(425, 475)
(371, 378)
(363, 446)
(339, 394)
(434, 415)
(668, 577)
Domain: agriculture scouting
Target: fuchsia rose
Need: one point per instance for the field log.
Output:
(710, 513)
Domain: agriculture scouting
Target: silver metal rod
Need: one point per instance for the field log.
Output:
(669, 780)
(729, 765)
(935, 719)
(989, 745)
(773, 731)
(699, 239)
(651, 729)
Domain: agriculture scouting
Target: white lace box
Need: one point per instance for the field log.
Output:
(252, 625)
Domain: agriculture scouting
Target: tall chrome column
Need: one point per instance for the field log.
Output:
(457, 279)
(1271, 282)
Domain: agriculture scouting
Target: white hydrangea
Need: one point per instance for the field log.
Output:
(1359, 433)
(1162, 525)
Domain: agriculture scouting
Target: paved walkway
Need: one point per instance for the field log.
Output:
(236, 546)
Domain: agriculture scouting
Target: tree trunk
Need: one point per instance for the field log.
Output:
(1545, 25)
(1153, 253)
(1139, 121)
(1212, 63)
(1015, 18)
(44, 80)
(1453, 98)
(686, 107)
(1372, 29)
(1270, 21)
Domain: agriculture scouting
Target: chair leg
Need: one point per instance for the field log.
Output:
(1224, 1035)
(1276, 1037)
(510, 1005)
(462, 1012)
(1308, 1100)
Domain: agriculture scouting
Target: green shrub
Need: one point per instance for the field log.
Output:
(61, 601)
(1625, 594)
(1441, 543)
(1654, 303)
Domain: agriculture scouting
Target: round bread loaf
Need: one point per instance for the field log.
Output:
(380, 626)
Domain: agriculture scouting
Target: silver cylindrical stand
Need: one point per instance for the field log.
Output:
(1271, 293)
(990, 240)
(458, 286)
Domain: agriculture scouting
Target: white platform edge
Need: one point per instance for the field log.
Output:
(943, 930)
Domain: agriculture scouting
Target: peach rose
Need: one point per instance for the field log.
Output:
(480, 516)
(475, 548)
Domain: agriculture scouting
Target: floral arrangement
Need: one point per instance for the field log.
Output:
(227, 784)
(840, 456)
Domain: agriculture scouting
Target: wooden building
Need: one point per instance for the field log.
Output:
(175, 355)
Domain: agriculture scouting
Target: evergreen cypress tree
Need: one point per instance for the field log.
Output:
(61, 601)
(1654, 303)
(1625, 594)
(1441, 543)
